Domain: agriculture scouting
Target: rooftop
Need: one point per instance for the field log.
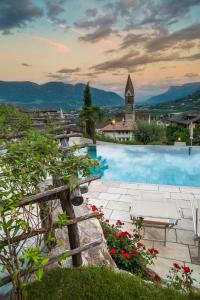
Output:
(120, 126)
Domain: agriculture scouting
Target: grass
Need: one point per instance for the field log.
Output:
(95, 283)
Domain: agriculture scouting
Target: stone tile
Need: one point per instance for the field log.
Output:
(120, 215)
(117, 205)
(133, 186)
(197, 196)
(91, 195)
(98, 202)
(186, 189)
(185, 237)
(114, 190)
(133, 192)
(183, 204)
(182, 196)
(98, 188)
(185, 224)
(110, 183)
(107, 213)
(128, 198)
(193, 251)
(96, 182)
(162, 266)
(168, 188)
(148, 187)
(152, 196)
(158, 234)
(108, 196)
(173, 251)
(187, 213)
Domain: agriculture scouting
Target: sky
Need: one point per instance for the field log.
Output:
(101, 41)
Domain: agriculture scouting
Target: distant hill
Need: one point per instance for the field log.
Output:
(174, 93)
(188, 103)
(53, 95)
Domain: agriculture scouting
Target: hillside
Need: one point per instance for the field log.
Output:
(174, 93)
(188, 103)
(53, 95)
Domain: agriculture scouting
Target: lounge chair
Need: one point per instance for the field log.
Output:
(155, 214)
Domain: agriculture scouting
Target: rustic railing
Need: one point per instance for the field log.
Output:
(67, 200)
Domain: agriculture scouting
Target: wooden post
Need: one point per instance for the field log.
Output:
(72, 229)
(66, 199)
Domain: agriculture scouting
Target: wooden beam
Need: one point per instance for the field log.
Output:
(35, 232)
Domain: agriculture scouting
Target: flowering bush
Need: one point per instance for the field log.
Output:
(126, 249)
(181, 277)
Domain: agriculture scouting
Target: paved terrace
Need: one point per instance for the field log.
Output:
(115, 198)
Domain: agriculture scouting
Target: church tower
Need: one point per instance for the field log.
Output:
(129, 101)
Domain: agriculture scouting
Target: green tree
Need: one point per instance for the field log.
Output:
(92, 115)
(150, 133)
(87, 104)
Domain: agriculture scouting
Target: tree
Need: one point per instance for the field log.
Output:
(87, 103)
(149, 133)
(90, 114)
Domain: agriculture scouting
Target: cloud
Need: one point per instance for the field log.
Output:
(68, 71)
(58, 46)
(164, 41)
(16, 14)
(25, 65)
(54, 9)
(101, 25)
(154, 13)
(91, 12)
(133, 62)
(132, 39)
(191, 75)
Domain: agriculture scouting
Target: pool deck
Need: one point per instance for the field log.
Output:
(115, 199)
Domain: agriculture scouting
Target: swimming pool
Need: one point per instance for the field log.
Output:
(148, 164)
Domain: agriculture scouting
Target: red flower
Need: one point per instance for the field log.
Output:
(153, 251)
(107, 220)
(177, 266)
(101, 215)
(127, 256)
(124, 234)
(187, 270)
(122, 251)
(135, 252)
(140, 245)
(112, 251)
(157, 277)
(94, 208)
(119, 222)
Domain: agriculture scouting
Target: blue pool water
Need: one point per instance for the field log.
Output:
(153, 165)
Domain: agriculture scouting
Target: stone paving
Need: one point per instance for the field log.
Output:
(115, 198)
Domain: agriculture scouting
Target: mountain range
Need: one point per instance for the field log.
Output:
(68, 96)
(174, 93)
(53, 95)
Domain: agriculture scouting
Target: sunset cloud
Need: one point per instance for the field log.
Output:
(58, 46)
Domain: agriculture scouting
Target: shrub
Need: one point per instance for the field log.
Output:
(126, 249)
(150, 133)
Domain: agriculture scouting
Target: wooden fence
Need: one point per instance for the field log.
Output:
(67, 200)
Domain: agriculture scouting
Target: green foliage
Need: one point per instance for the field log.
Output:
(104, 138)
(25, 164)
(99, 283)
(175, 131)
(146, 133)
(12, 121)
(87, 96)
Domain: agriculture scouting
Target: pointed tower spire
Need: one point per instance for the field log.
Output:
(129, 100)
(129, 86)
